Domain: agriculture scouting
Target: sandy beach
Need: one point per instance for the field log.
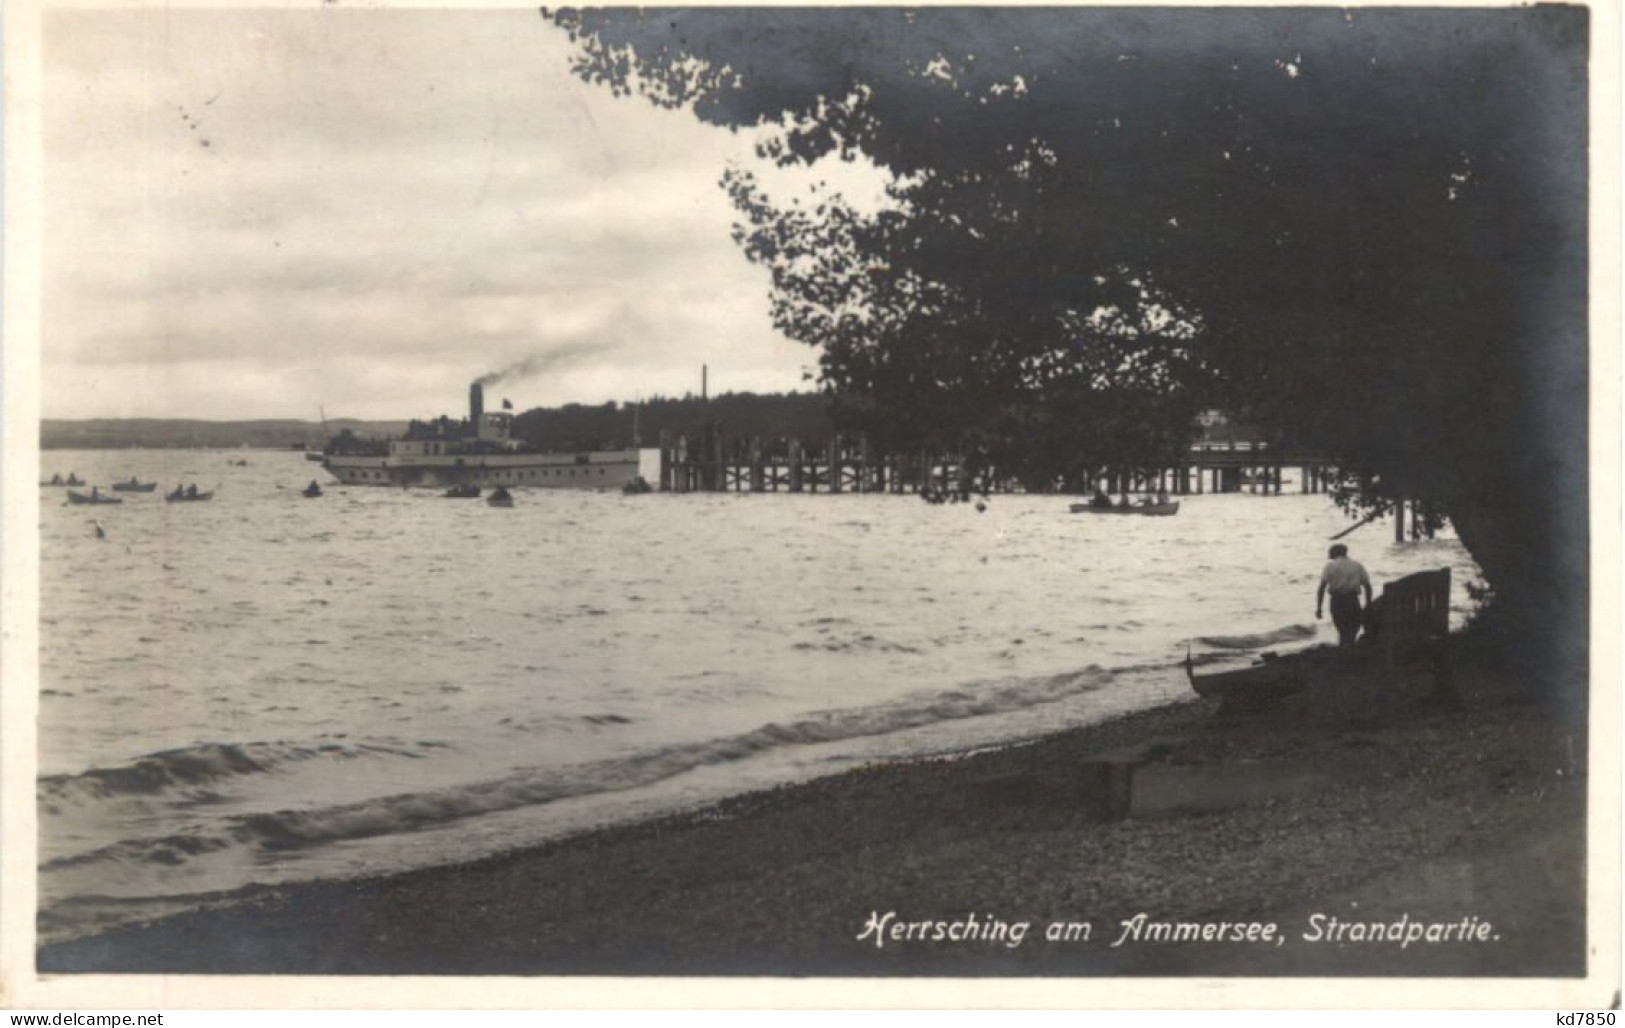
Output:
(1444, 842)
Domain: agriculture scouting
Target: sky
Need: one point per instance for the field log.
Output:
(264, 214)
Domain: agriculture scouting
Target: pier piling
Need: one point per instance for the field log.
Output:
(703, 459)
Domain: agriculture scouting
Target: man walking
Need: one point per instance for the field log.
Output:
(1343, 578)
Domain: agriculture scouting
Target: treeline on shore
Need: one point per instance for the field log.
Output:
(572, 426)
(802, 416)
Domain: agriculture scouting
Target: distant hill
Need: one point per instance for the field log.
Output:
(574, 426)
(770, 416)
(173, 433)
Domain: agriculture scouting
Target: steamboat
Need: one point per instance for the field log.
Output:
(479, 451)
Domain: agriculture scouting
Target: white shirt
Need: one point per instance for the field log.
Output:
(1344, 576)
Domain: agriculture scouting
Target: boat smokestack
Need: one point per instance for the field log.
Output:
(476, 404)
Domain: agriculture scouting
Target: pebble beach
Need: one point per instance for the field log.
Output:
(1471, 817)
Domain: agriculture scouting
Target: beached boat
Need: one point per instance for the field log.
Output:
(1268, 678)
(500, 498)
(134, 486)
(478, 450)
(1150, 510)
(91, 498)
(182, 496)
(1408, 624)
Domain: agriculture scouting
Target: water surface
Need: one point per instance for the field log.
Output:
(267, 688)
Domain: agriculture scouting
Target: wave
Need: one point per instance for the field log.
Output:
(405, 812)
(183, 769)
(864, 643)
(1289, 633)
(170, 849)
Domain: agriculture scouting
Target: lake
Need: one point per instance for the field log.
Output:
(268, 688)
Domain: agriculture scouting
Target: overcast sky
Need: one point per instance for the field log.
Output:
(250, 214)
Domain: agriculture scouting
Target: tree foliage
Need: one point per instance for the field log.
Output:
(1364, 229)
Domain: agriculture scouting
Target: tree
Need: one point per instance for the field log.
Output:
(1364, 229)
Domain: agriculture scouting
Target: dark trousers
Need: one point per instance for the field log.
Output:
(1346, 616)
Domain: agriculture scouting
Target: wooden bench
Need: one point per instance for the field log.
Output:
(1410, 621)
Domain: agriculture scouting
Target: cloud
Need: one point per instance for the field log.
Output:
(390, 204)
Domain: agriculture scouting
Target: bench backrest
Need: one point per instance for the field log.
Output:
(1416, 607)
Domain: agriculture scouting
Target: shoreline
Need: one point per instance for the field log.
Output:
(1106, 728)
(1436, 817)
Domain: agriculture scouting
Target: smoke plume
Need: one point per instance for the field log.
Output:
(536, 363)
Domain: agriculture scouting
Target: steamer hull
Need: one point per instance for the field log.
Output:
(598, 469)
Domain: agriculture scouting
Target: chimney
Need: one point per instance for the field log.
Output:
(476, 404)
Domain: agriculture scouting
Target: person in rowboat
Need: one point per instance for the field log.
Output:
(1344, 578)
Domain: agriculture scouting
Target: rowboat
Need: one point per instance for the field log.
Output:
(133, 486)
(178, 496)
(500, 498)
(93, 498)
(1408, 624)
(1150, 510)
(58, 480)
(1270, 678)
(466, 491)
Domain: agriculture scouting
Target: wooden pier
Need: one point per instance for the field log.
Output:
(703, 459)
